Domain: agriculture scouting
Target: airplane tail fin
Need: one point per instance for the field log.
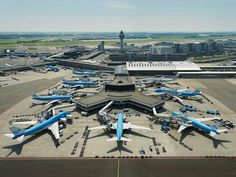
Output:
(15, 131)
(174, 77)
(63, 80)
(197, 91)
(177, 75)
(34, 95)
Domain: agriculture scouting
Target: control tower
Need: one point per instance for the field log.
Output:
(121, 36)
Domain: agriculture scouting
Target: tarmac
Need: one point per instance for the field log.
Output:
(18, 101)
(13, 94)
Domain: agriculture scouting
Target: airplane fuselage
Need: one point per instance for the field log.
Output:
(84, 83)
(85, 73)
(42, 126)
(119, 130)
(53, 97)
(179, 93)
(201, 126)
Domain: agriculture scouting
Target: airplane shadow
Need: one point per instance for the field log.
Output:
(199, 100)
(36, 104)
(185, 133)
(216, 142)
(138, 134)
(105, 133)
(119, 148)
(17, 148)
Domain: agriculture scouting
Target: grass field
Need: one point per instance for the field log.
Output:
(75, 40)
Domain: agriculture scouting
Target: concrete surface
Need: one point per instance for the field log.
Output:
(96, 144)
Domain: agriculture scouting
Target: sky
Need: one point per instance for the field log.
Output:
(114, 15)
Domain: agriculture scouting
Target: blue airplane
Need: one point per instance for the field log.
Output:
(197, 122)
(162, 79)
(119, 126)
(86, 73)
(79, 83)
(52, 68)
(176, 93)
(52, 98)
(51, 124)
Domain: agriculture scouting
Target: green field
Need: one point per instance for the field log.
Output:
(75, 40)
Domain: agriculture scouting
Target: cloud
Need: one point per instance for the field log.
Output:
(119, 5)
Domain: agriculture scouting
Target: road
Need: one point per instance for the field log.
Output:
(111, 168)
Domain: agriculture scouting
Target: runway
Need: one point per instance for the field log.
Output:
(119, 167)
(11, 95)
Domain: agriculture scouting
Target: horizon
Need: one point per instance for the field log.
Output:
(161, 32)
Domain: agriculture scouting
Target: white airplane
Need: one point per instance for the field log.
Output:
(197, 122)
(2, 79)
(51, 124)
(119, 126)
(156, 80)
(176, 94)
(8, 65)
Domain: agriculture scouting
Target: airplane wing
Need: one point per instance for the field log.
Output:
(77, 86)
(131, 126)
(55, 130)
(32, 122)
(222, 130)
(206, 119)
(212, 134)
(182, 127)
(125, 139)
(182, 90)
(122, 139)
(157, 94)
(177, 98)
(80, 91)
(98, 127)
(51, 102)
(73, 92)
(112, 139)
(114, 126)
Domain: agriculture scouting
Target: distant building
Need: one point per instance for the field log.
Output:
(197, 48)
(210, 47)
(161, 50)
(185, 48)
(101, 46)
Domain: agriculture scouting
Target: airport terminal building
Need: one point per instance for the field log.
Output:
(122, 93)
(160, 68)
